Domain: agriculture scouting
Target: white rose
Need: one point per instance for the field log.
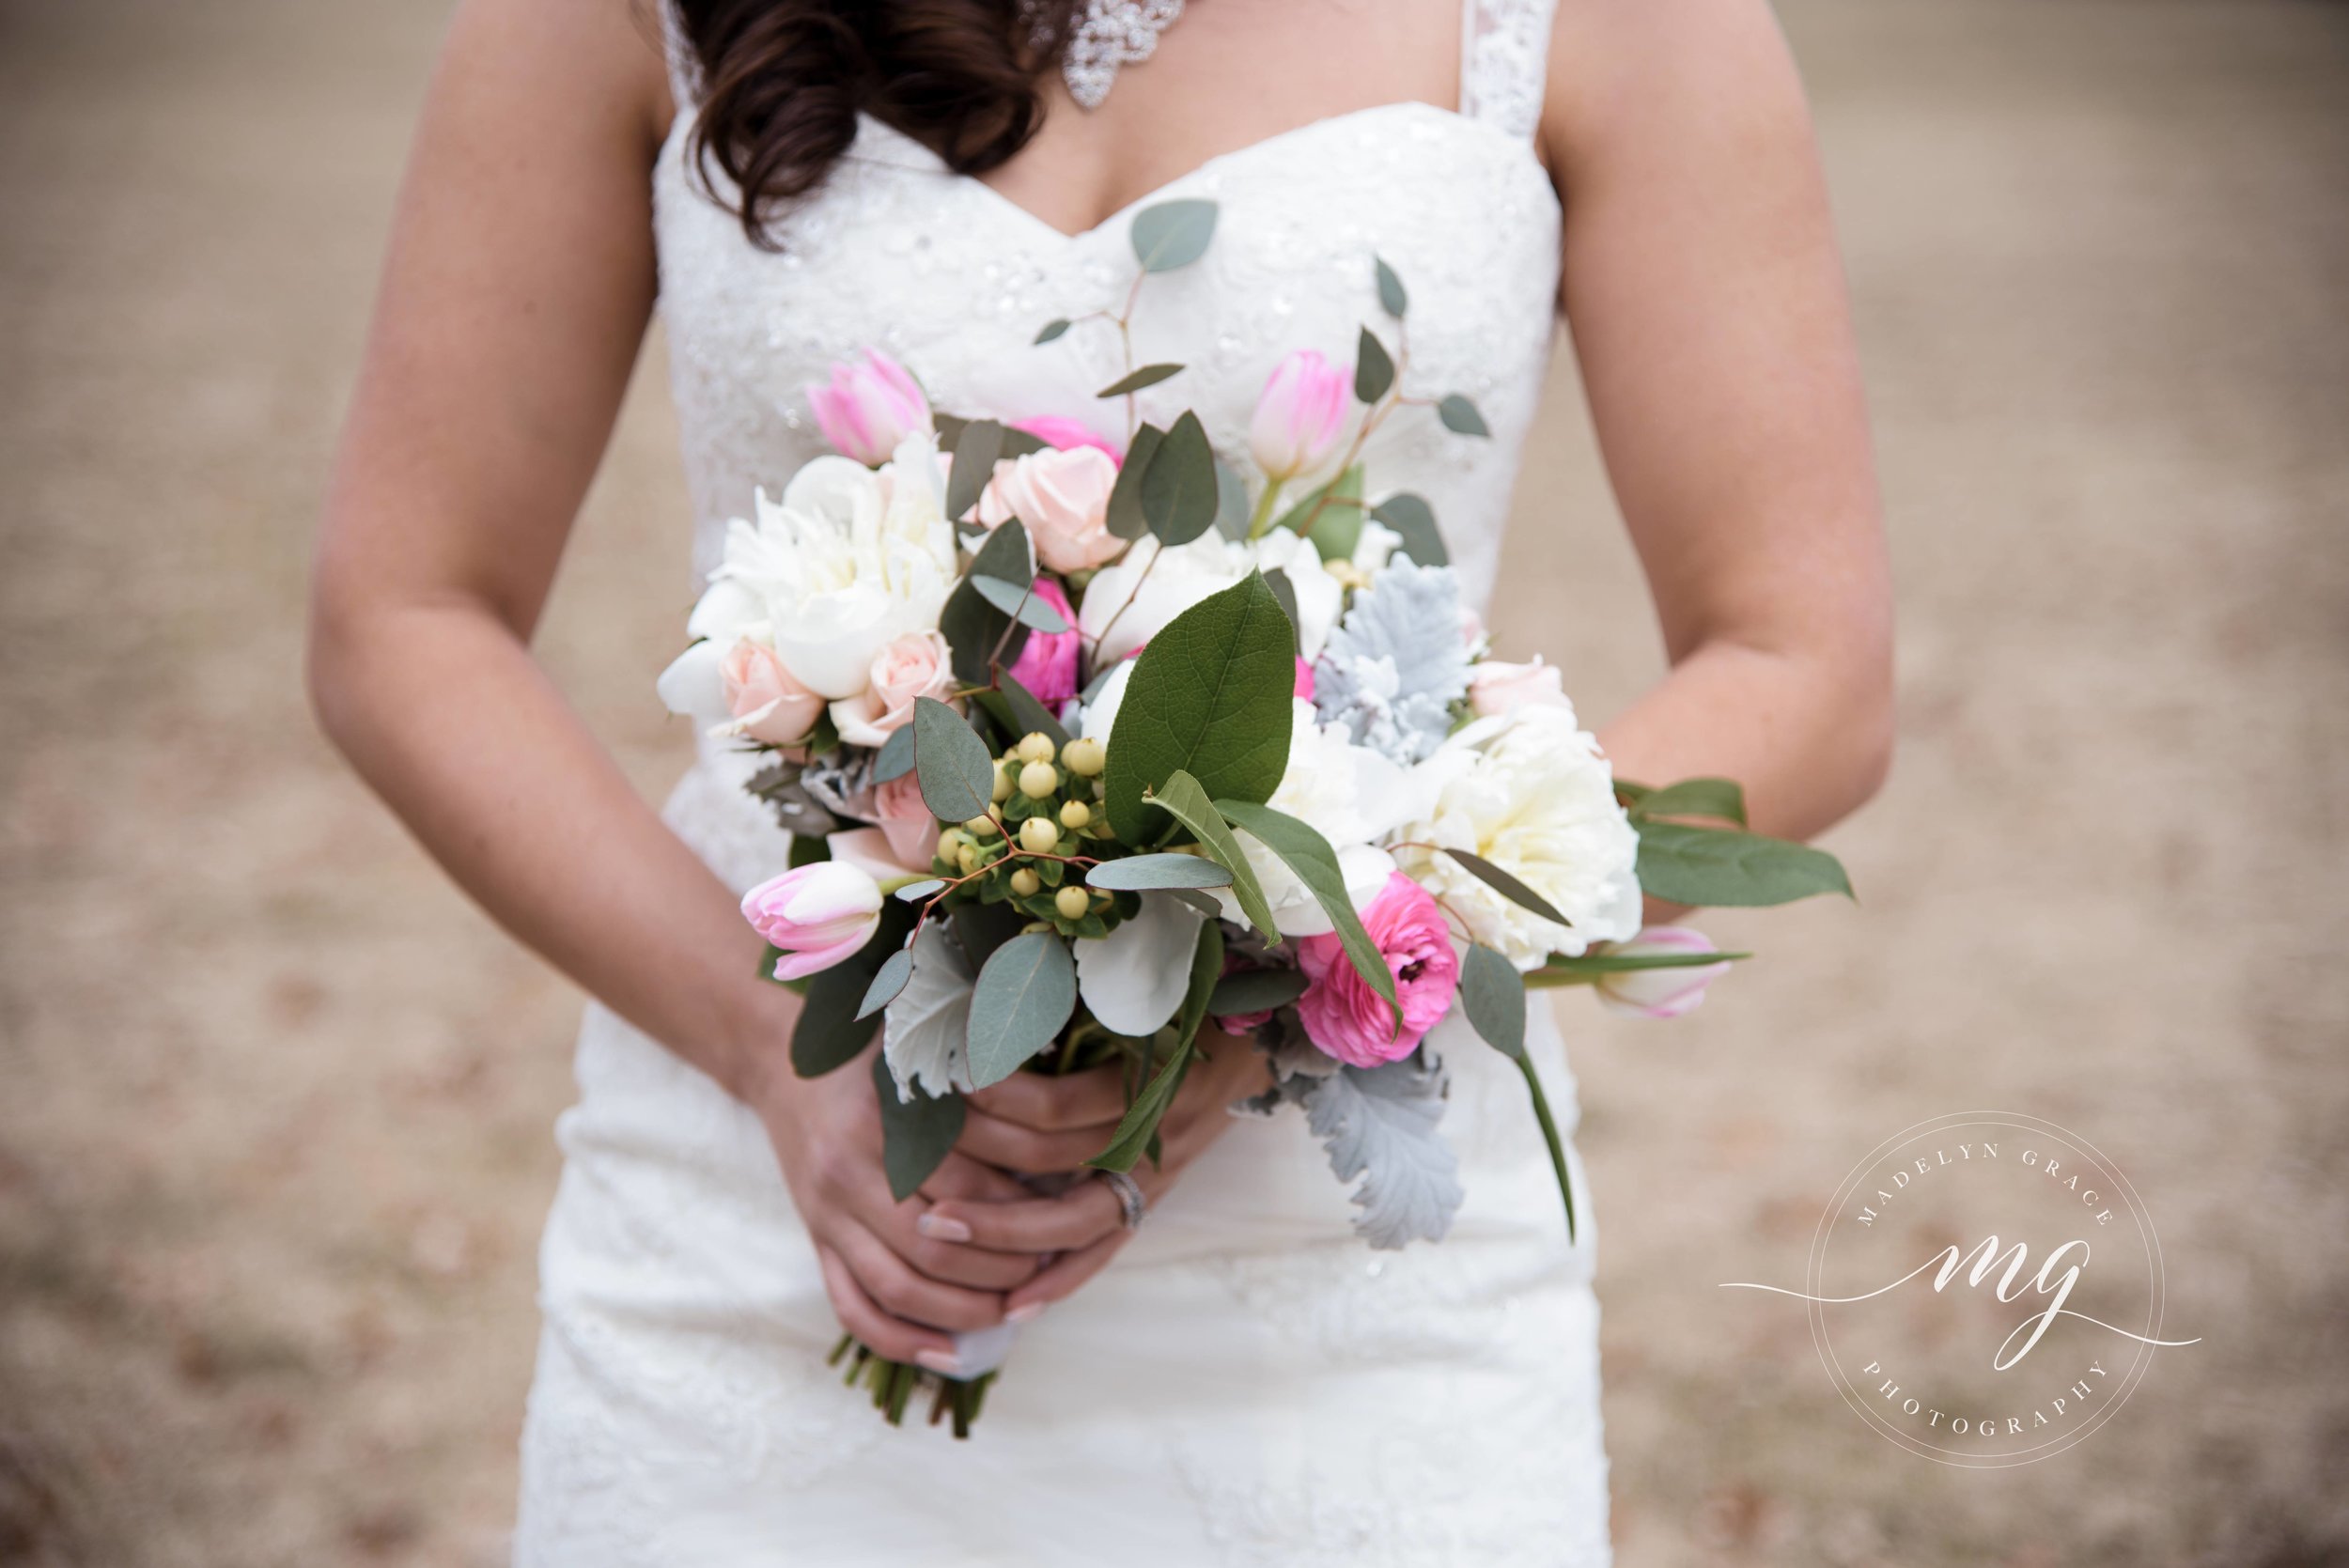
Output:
(1532, 793)
(1100, 716)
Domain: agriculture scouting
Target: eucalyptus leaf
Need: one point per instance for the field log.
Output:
(970, 624)
(1053, 329)
(916, 1134)
(1172, 234)
(1019, 443)
(1584, 969)
(1716, 797)
(1720, 867)
(975, 453)
(1231, 502)
(1309, 855)
(1392, 298)
(1493, 995)
(887, 981)
(1210, 696)
(1136, 873)
(895, 759)
(1255, 991)
(1189, 804)
(1125, 517)
(1029, 714)
(1411, 517)
(1026, 992)
(1460, 416)
(1381, 1125)
(1179, 492)
(1374, 370)
(952, 766)
(1508, 886)
(1149, 375)
(913, 893)
(1017, 600)
(1138, 1131)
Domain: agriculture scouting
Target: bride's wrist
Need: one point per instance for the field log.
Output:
(754, 1044)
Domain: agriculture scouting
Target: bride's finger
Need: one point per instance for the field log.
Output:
(959, 1176)
(1061, 1279)
(1010, 1147)
(876, 1329)
(1095, 1097)
(1075, 1218)
(902, 1291)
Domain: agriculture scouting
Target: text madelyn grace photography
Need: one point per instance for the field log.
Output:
(1422, 783)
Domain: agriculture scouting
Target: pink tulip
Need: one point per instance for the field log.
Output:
(1046, 665)
(818, 914)
(1344, 1015)
(868, 408)
(1664, 993)
(1300, 416)
(1065, 434)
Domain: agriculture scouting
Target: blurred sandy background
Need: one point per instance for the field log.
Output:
(275, 1104)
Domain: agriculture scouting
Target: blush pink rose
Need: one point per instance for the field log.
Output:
(904, 820)
(817, 915)
(913, 665)
(1066, 434)
(767, 701)
(1063, 497)
(1046, 665)
(1497, 687)
(1349, 1020)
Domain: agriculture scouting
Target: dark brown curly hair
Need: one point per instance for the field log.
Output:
(782, 82)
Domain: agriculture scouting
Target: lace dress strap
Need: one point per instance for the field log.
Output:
(1504, 58)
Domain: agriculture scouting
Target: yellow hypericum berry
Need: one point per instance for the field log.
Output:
(1071, 903)
(1083, 757)
(1005, 783)
(1026, 883)
(950, 844)
(1076, 814)
(1037, 780)
(1035, 747)
(967, 857)
(1037, 835)
(980, 826)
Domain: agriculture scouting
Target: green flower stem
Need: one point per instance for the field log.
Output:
(1261, 518)
(1549, 1136)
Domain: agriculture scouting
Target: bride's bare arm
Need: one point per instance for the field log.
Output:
(1707, 301)
(515, 296)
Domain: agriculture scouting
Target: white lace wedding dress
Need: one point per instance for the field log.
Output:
(1247, 1383)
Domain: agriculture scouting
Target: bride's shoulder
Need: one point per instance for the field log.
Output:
(606, 59)
(1626, 76)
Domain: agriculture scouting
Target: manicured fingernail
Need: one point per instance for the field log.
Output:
(939, 1227)
(945, 1364)
(1027, 1314)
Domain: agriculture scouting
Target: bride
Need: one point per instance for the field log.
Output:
(1235, 1380)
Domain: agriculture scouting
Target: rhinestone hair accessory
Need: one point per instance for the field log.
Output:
(1113, 32)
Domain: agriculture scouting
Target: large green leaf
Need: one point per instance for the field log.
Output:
(1125, 517)
(970, 624)
(1139, 1129)
(1723, 868)
(1179, 491)
(976, 449)
(916, 1134)
(1493, 994)
(951, 765)
(1024, 994)
(1718, 797)
(1309, 855)
(1172, 234)
(1210, 696)
(1189, 804)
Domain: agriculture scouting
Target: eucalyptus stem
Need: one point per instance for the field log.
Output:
(1549, 1136)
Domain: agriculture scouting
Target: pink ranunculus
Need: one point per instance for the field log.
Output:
(767, 702)
(904, 820)
(1067, 434)
(818, 914)
(1664, 993)
(868, 407)
(1349, 1020)
(1046, 665)
(1496, 686)
(910, 666)
(1300, 416)
(1063, 497)
(1304, 680)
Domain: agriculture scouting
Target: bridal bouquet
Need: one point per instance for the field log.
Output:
(1087, 748)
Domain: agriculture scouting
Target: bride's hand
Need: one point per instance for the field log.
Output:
(1037, 1124)
(894, 1287)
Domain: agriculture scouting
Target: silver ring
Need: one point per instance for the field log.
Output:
(1129, 1198)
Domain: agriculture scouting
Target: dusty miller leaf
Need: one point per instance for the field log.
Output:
(1381, 1126)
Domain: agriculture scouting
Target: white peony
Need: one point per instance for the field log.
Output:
(1133, 599)
(1532, 793)
(850, 560)
(1100, 716)
(1350, 795)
